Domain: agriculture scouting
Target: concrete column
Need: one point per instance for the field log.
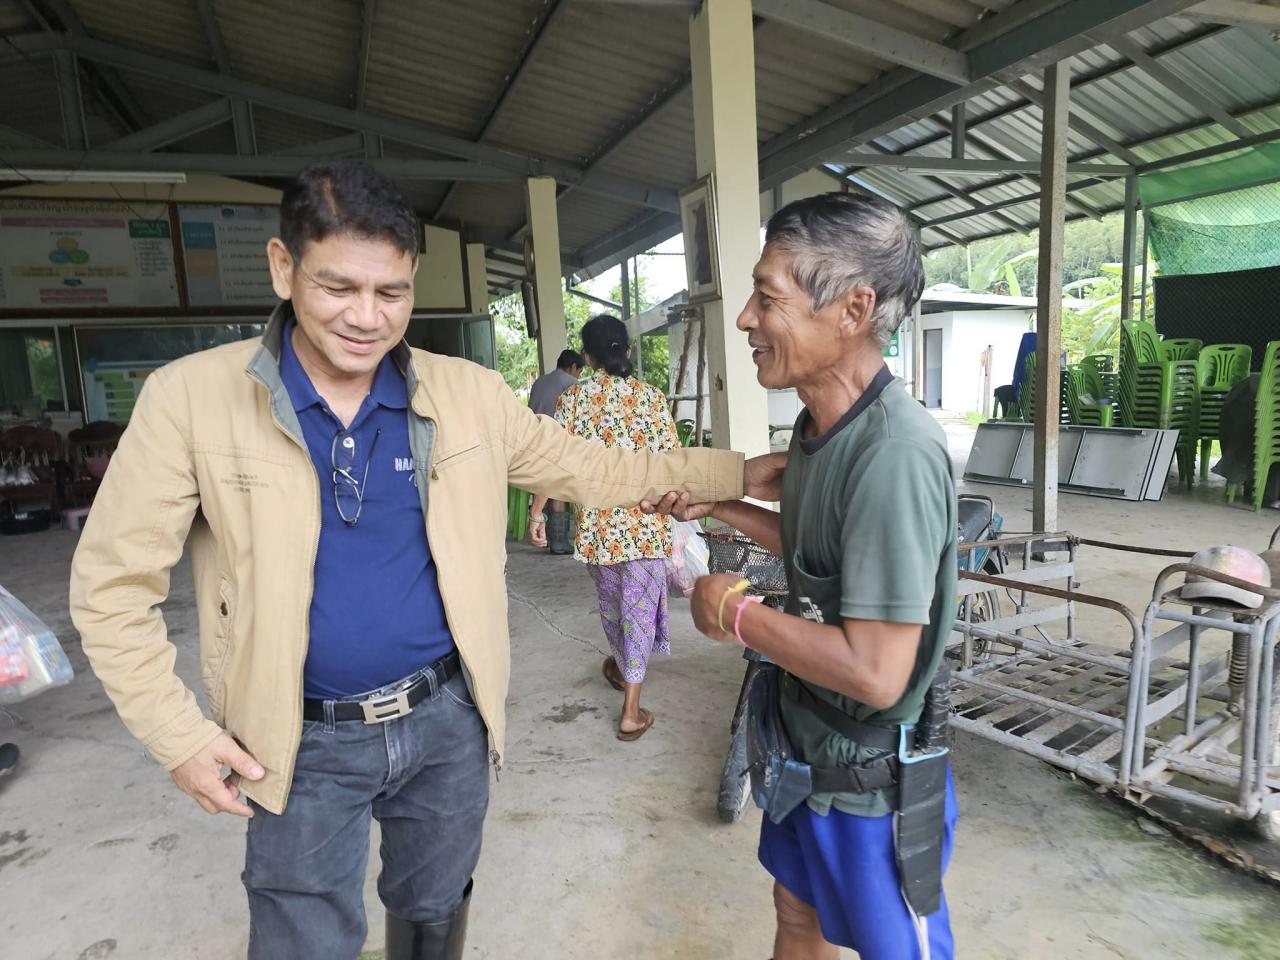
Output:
(544, 230)
(477, 279)
(722, 51)
(1053, 202)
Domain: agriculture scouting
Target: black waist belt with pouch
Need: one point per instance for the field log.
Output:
(917, 766)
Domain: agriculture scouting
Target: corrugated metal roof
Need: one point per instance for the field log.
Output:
(599, 66)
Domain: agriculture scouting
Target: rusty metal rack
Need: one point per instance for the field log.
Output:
(1186, 707)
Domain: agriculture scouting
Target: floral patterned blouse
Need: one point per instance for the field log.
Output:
(619, 412)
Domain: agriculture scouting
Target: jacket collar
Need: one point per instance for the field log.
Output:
(265, 368)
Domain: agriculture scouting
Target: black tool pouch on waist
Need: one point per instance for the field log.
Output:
(779, 783)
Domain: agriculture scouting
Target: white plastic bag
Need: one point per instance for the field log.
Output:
(31, 659)
(689, 555)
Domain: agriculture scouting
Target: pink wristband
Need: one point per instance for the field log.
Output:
(737, 618)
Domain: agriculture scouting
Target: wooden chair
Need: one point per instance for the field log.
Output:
(91, 446)
(29, 461)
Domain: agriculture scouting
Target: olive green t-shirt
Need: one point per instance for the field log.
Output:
(869, 533)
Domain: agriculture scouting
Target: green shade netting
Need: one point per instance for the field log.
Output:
(1235, 229)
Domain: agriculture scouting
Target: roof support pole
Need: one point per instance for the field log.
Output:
(544, 235)
(477, 276)
(1053, 204)
(1130, 236)
(959, 127)
(722, 55)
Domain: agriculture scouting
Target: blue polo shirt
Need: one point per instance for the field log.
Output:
(376, 613)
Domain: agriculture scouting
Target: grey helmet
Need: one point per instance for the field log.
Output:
(1232, 562)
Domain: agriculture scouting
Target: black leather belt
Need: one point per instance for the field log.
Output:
(863, 734)
(379, 708)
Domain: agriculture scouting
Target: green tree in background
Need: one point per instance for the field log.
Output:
(518, 354)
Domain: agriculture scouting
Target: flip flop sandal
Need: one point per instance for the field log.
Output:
(613, 674)
(629, 735)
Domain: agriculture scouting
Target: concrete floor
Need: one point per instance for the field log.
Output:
(596, 848)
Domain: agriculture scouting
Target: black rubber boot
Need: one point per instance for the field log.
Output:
(441, 940)
(559, 535)
(8, 757)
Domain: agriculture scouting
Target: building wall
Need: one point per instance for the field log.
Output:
(965, 336)
(440, 283)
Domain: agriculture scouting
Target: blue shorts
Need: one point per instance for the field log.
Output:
(844, 867)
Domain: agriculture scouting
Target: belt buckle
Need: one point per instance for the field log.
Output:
(382, 709)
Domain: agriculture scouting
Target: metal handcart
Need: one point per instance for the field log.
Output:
(1184, 708)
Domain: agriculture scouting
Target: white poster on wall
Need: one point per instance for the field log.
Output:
(85, 253)
(224, 251)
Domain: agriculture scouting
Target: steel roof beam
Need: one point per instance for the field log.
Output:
(1080, 125)
(362, 63)
(960, 194)
(1236, 14)
(117, 97)
(175, 128)
(1174, 83)
(347, 143)
(392, 128)
(868, 36)
(971, 165)
(1030, 45)
(1079, 84)
(70, 100)
(241, 112)
(233, 166)
(551, 11)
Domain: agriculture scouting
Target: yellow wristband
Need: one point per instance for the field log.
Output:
(742, 586)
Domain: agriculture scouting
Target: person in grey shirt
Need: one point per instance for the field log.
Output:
(546, 389)
(543, 396)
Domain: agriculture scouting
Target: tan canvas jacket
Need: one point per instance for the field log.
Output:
(214, 458)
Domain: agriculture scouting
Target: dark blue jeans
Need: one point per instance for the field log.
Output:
(425, 777)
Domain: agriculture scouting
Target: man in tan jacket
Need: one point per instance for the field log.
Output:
(343, 498)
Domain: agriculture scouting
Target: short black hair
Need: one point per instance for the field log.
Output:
(333, 197)
(570, 358)
(605, 339)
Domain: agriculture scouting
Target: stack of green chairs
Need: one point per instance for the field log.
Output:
(1027, 396)
(1103, 366)
(1158, 388)
(1083, 390)
(1219, 368)
(1266, 429)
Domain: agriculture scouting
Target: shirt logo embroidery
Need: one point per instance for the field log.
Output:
(404, 464)
(809, 610)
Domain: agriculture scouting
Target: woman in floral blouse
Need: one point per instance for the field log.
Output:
(626, 551)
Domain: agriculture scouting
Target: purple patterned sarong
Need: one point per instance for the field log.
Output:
(633, 609)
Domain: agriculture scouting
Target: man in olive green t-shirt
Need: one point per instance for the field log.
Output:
(868, 533)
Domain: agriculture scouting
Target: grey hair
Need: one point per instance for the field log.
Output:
(840, 241)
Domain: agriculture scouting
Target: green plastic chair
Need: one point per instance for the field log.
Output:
(1156, 391)
(1103, 366)
(1219, 368)
(1185, 348)
(1266, 443)
(1080, 383)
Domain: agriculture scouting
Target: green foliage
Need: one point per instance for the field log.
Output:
(42, 359)
(518, 355)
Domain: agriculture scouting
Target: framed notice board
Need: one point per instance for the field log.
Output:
(114, 361)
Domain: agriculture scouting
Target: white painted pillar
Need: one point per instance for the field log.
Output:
(477, 279)
(544, 229)
(722, 51)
